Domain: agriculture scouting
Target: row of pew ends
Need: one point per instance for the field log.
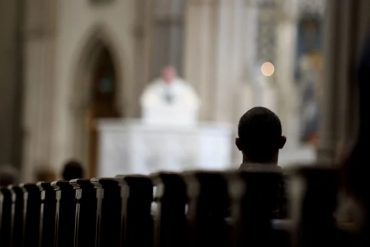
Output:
(265, 207)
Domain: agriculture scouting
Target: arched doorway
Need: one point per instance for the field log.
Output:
(102, 103)
(95, 95)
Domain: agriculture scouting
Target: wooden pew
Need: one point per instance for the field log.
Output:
(86, 206)
(109, 212)
(208, 208)
(47, 214)
(64, 214)
(5, 216)
(199, 208)
(17, 215)
(258, 197)
(314, 195)
(137, 197)
(170, 228)
(31, 217)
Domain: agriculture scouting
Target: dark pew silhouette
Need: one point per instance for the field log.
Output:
(5, 216)
(47, 214)
(170, 226)
(314, 208)
(257, 198)
(137, 197)
(109, 206)
(208, 209)
(31, 217)
(17, 216)
(199, 208)
(65, 214)
(85, 217)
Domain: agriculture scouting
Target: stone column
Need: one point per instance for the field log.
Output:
(200, 46)
(249, 75)
(230, 65)
(143, 46)
(214, 59)
(346, 27)
(220, 57)
(288, 94)
(38, 82)
(11, 16)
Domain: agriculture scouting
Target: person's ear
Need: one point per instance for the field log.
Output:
(238, 143)
(282, 142)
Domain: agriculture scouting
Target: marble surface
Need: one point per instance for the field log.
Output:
(131, 147)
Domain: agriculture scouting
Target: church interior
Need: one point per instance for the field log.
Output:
(151, 93)
(68, 66)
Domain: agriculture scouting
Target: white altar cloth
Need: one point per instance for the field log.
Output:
(132, 147)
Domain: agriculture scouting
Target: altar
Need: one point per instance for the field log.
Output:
(133, 147)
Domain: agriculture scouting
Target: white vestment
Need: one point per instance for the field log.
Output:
(170, 103)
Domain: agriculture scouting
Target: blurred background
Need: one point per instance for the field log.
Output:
(68, 65)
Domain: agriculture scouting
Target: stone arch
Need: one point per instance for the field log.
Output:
(97, 52)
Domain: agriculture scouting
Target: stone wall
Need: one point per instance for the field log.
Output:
(10, 82)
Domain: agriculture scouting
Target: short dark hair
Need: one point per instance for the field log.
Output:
(72, 169)
(260, 134)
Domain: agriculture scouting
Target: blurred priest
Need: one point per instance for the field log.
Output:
(170, 100)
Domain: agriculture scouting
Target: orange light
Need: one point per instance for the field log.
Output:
(267, 69)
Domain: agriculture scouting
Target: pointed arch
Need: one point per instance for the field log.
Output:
(94, 92)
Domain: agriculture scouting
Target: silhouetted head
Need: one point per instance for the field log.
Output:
(260, 136)
(45, 174)
(8, 175)
(168, 74)
(72, 169)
